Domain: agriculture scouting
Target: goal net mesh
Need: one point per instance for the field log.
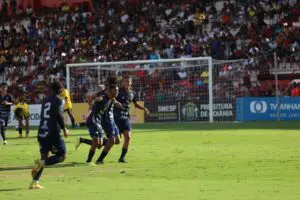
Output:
(176, 90)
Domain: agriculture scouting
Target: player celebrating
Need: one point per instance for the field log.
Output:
(68, 105)
(94, 126)
(6, 101)
(51, 123)
(107, 122)
(122, 116)
(22, 112)
(93, 122)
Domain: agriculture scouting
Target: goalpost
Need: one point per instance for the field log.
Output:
(185, 89)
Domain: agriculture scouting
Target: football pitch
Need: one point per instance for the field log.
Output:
(252, 161)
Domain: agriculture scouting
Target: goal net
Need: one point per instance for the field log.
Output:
(186, 89)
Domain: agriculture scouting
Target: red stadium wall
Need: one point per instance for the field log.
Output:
(37, 4)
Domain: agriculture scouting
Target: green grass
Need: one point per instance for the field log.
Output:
(167, 161)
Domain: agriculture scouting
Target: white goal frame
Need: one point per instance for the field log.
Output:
(99, 64)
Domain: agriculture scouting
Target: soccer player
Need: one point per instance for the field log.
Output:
(93, 123)
(22, 112)
(94, 108)
(49, 138)
(107, 122)
(6, 101)
(68, 105)
(122, 115)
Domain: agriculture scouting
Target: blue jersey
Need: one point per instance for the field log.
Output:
(5, 109)
(51, 118)
(125, 98)
(101, 118)
(108, 111)
(96, 112)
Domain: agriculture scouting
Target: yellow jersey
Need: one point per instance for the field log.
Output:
(24, 107)
(66, 97)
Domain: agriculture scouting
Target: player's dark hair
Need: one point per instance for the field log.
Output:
(112, 86)
(113, 80)
(56, 87)
(3, 84)
(127, 77)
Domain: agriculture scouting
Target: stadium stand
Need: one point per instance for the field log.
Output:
(35, 45)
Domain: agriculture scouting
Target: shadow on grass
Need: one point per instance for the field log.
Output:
(11, 189)
(62, 165)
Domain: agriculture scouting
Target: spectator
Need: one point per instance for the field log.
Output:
(147, 29)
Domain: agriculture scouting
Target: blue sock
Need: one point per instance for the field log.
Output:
(102, 156)
(123, 154)
(86, 141)
(90, 156)
(20, 131)
(2, 131)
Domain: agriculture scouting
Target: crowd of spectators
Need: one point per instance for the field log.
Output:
(35, 49)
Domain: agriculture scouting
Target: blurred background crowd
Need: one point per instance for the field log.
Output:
(36, 44)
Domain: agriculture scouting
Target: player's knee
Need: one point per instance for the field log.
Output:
(127, 136)
(110, 141)
(99, 143)
(95, 144)
(117, 140)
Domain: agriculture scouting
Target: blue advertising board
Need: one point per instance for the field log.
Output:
(265, 109)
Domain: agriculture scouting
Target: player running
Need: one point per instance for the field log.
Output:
(6, 101)
(51, 123)
(122, 115)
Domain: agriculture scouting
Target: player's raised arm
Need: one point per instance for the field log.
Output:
(97, 96)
